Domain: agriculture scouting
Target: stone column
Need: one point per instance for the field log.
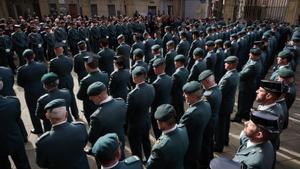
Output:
(177, 8)
(228, 9)
(44, 7)
(86, 7)
(292, 12)
(3, 9)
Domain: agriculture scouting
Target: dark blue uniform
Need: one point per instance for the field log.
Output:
(11, 137)
(63, 147)
(119, 83)
(29, 77)
(88, 106)
(56, 94)
(138, 119)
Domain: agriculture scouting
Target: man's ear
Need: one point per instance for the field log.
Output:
(259, 135)
(47, 115)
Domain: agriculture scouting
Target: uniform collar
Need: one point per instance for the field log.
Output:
(265, 107)
(170, 130)
(109, 98)
(112, 166)
(60, 123)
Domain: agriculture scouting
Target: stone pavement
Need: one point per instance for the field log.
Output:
(288, 157)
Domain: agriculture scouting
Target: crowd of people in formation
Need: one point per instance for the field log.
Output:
(135, 75)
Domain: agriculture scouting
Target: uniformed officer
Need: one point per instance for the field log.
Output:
(138, 119)
(219, 70)
(8, 81)
(148, 43)
(266, 97)
(106, 57)
(110, 117)
(79, 68)
(179, 78)
(63, 146)
(36, 42)
(287, 77)
(170, 55)
(166, 38)
(227, 85)
(162, 86)
(62, 66)
(195, 119)
(50, 83)
(174, 140)
(94, 75)
(20, 43)
(6, 51)
(195, 44)
(184, 45)
(156, 52)
(61, 36)
(283, 61)
(138, 57)
(73, 38)
(138, 44)
(249, 81)
(29, 77)
(210, 58)
(50, 42)
(123, 50)
(11, 136)
(108, 153)
(213, 95)
(199, 65)
(119, 83)
(255, 150)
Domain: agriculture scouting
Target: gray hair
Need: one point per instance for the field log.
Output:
(58, 112)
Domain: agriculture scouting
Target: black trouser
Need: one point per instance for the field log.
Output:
(138, 139)
(31, 104)
(19, 158)
(245, 102)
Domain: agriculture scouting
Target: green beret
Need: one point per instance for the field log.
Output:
(219, 41)
(258, 43)
(198, 51)
(106, 146)
(155, 47)
(295, 38)
(159, 61)
(179, 58)
(191, 87)
(27, 53)
(284, 54)
(1, 78)
(271, 86)
(231, 59)
(205, 74)
(209, 29)
(55, 103)
(96, 88)
(210, 43)
(138, 52)
(139, 70)
(49, 78)
(285, 73)
(255, 51)
(164, 112)
(265, 120)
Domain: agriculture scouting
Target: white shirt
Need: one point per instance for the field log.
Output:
(265, 107)
(59, 123)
